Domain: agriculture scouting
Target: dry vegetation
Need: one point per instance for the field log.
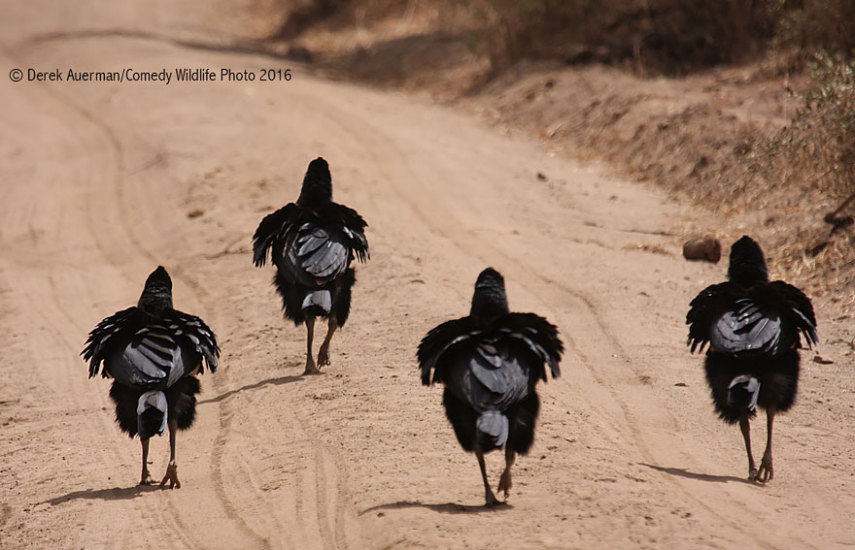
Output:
(811, 162)
(669, 36)
(647, 36)
(744, 107)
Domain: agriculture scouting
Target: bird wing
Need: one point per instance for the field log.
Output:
(313, 244)
(797, 311)
(437, 341)
(199, 334)
(314, 254)
(109, 331)
(539, 336)
(747, 327)
(141, 350)
(706, 308)
(764, 319)
(352, 225)
(493, 376)
(491, 367)
(271, 229)
(477, 369)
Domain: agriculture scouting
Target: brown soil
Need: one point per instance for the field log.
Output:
(103, 182)
(702, 139)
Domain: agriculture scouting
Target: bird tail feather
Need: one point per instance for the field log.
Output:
(318, 302)
(492, 427)
(743, 391)
(151, 414)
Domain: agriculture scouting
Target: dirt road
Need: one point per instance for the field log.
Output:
(97, 184)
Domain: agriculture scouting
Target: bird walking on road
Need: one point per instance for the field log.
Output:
(490, 363)
(153, 353)
(313, 243)
(754, 329)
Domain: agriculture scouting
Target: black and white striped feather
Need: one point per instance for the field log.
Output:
(147, 351)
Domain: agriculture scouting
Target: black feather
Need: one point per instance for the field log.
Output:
(180, 398)
(126, 399)
(182, 401)
(778, 377)
(754, 328)
(270, 229)
(747, 263)
(313, 243)
(149, 422)
(134, 327)
(317, 184)
(152, 347)
(781, 309)
(490, 363)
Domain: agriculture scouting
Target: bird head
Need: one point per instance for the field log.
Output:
(317, 184)
(157, 294)
(489, 300)
(747, 264)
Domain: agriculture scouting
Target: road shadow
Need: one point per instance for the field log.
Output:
(243, 47)
(447, 508)
(116, 493)
(269, 382)
(692, 475)
(399, 60)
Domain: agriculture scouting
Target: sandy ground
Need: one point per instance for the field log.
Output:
(96, 184)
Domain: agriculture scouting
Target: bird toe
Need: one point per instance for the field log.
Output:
(505, 484)
(311, 368)
(171, 476)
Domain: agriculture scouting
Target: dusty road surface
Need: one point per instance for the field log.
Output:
(96, 184)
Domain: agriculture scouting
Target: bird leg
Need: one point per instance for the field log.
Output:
(766, 472)
(324, 352)
(488, 493)
(172, 469)
(745, 426)
(505, 483)
(145, 478)
(310, 363)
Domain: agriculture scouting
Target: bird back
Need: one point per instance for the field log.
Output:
(144, 351)
(762, 319)
(311, 244)
(314, 255)
(491, 366)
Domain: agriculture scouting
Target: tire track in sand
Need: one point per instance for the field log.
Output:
(424, 207)
(104, 204)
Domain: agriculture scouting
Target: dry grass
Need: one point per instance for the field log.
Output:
(818, 146)
(648, 36)
(812, 162)
(669, 37)
(817, 25)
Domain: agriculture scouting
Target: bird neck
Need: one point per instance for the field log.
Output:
(488, 304)
(748, 273)
(155, 301)
(747, 263)
(316, 191)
